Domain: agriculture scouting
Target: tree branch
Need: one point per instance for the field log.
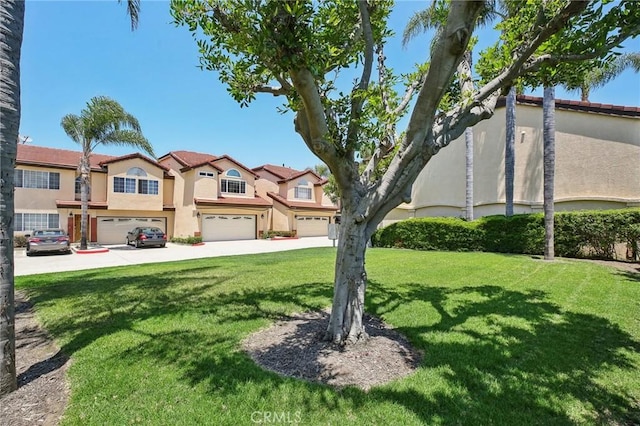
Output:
(357, 99)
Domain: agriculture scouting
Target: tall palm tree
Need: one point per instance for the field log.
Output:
(598, 76)
(102, 122)
(11, 29)
(549, 164)
(509, 150)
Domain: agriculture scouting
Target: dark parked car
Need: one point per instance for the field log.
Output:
(146, 236)
(48, 240)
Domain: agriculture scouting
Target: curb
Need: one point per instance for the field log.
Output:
(91, 251)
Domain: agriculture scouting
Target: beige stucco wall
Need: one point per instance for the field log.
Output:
(99, 187)
(27, 200)
(203, 186)
(263, 186)
(138, 202)
(597, 159)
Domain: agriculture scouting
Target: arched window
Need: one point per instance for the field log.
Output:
(233, 173)
(136, 171)
(235, 185)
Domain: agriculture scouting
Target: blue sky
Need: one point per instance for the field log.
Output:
(75, 50)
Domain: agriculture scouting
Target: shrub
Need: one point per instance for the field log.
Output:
(450, 234)
(286, 234)
(592, 234)
(19, 241)
(186, 240)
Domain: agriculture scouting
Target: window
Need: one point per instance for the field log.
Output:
(129, 185)
(233, 173)
(302, 191)
(124, 185)
(206, 174)
(148, 187)
(233, 186)
(31, 221)
(36, 179)
(136, 171)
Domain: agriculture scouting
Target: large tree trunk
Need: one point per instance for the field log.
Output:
(468, 139)
(350, 284)
(11, 27)
(509, 151)
(549, 162)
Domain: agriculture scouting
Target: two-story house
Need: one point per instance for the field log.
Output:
(126, 191)
(297, 199)
(215, 197)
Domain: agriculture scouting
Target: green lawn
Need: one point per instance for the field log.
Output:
(508, 340)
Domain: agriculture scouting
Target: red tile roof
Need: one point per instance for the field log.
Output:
(65, 159)
(287, 173)
(229, 201)
(135, 155)
(62, 158)
(189, 159)
(300, 204)
(609, 109)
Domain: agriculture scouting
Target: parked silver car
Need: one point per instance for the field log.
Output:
(146, 236)
(48, 241)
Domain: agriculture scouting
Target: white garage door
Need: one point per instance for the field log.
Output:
(227, 227)
(312, 226)
(113, 230)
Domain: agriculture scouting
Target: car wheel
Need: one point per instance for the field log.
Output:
(163, 245)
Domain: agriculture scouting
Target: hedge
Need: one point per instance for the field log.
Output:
(590, 234)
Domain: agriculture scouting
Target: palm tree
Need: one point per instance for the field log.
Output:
(105, 122)
(598, 76)
(12, 19)
(509, 150)
(549, 162)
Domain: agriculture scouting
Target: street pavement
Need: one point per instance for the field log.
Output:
(120, 254)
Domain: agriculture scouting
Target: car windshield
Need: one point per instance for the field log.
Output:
(48, 233)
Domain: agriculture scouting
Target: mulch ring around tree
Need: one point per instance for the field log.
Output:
(294, 347)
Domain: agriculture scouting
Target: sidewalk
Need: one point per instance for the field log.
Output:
(119, 255)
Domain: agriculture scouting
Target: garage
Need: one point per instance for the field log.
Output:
(113, 230)
(228, 227)
(312, 226)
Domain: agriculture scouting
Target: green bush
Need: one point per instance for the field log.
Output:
(19, 241)
(450, 234)
(592, 234)
(271, 234)
(186, 240)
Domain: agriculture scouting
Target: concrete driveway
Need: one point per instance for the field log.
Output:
(119, 255)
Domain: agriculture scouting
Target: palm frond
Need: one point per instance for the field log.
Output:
(128, 137)
(73, 127)
(133, 10)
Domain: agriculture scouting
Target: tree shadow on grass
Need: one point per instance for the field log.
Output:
(515, 358)
(499, 356)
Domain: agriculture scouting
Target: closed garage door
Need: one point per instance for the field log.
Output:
(113, 230)
(312, 226)
(227, 227)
